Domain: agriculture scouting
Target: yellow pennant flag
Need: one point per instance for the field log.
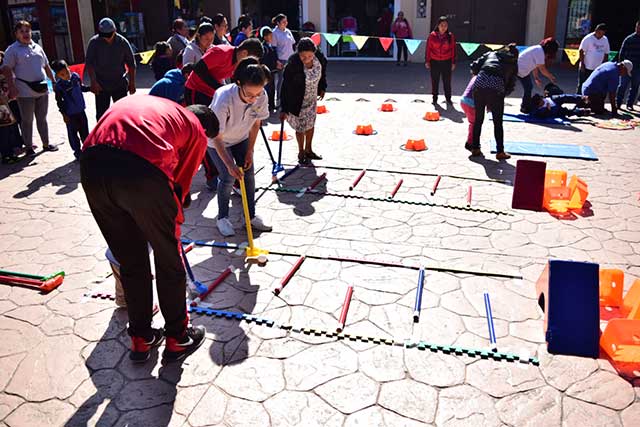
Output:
(494, 46)
(359, 41)
(146, 56)
(573, 55)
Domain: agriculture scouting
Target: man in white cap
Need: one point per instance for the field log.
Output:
(604, 81)
(107, 55)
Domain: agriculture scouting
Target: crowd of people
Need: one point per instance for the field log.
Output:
(207, 105)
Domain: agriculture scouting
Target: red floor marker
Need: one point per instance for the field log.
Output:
(345, 309)
(43, 285)
(395, 190)
(435, 185)
(313, 185)
(469, 196)
(212, 286)
(357, 180)
(289, 275)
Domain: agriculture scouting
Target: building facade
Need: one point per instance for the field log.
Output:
(64, 27)
(61, 27)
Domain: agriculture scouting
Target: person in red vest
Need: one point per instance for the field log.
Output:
(136, 169)
(215, 67)
(440, 58)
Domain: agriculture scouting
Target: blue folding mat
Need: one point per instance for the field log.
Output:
(566, 151)
(527, 118)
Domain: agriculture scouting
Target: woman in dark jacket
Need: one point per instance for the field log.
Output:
(304, 82)
(497, 72)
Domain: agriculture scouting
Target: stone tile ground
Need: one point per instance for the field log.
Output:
(64, 359)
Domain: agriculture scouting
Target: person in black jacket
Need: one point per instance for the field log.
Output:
(304, 82)
(496, 79)
(270, 59)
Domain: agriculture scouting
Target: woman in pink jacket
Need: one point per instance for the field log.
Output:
(401, 30)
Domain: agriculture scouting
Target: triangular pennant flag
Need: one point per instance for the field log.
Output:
(385, 42)
(612, 55)
(331, 38)
(573, 55)
(316, 38)
(469, 48)
(146, 56)
(359, 41)
(493, 46)
(521, 48)
(77, 68)
(412, 45)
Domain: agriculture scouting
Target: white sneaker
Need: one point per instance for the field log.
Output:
(225, 227)
(258, 224)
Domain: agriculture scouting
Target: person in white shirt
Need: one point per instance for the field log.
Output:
(532, 61)
(240, 108)
(594, 50)
(201, 43)
(283, 41)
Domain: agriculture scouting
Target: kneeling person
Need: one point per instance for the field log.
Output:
(603, 81)
(136, 170)
(240, 107)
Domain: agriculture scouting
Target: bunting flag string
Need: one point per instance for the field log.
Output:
(316, 38)
(612, 55)
(412, 45)
(358, 40)
(470, 48)
(493, 46)
(385, 42)
(573, 55)
(146, 56)
(332, 38)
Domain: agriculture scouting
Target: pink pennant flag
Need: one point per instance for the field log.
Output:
(385, 42)
(316, 38)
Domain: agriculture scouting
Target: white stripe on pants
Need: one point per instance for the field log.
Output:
(28, 108)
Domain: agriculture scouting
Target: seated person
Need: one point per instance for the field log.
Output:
(552, 106)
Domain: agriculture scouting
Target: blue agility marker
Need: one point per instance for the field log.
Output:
(416, 308)
(200, 287)
(492, 331)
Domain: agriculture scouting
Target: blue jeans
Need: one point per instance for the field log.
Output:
(77, 131)
(634, 79)
(225, 180)
(527, 86)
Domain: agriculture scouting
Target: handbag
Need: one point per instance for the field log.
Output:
(40, 86)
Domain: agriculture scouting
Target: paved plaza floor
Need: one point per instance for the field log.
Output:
(64, 358)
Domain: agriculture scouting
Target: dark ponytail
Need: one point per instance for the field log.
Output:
(203, 29)
(250, 71)
(279, 17)
(441, 20)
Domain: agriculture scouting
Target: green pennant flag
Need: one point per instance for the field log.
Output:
(469, 48)
(612, 55)
(331, 38)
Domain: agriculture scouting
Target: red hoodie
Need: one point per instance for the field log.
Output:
(441, 47)
(160, 131)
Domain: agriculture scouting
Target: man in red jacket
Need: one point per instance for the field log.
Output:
(136, 170)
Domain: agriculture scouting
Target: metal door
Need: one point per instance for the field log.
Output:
(499, 21)
(483, 21)
(458, 13)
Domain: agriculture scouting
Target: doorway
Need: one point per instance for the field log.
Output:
(262, 11)
(483, 21)
(359, 17)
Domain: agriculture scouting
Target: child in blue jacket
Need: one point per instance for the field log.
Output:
(70, 100)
